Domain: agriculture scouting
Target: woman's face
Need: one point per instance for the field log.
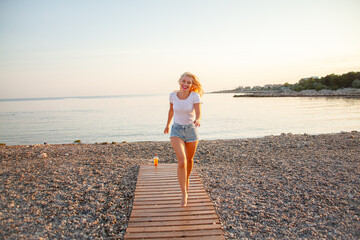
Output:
(185, 83)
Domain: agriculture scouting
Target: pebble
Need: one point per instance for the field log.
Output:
(43, 155)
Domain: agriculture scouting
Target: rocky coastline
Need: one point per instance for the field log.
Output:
(342, 93)
(285, 186)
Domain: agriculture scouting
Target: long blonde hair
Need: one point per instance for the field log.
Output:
(196, 85)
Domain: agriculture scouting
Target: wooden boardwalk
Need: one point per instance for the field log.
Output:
(157, 213)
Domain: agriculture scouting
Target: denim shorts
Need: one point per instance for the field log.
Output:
(188, 133)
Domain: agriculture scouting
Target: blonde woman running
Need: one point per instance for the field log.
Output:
(186, 110)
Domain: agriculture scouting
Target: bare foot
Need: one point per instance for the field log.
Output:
(184, 198)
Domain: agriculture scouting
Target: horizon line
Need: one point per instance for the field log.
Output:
(77, 97)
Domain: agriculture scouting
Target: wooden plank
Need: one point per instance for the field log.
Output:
(172, 228)
(161, 214)
(157, 214)
(155, 199)
(195, 238)
(164, 206)
(161, 197)
(156, 194)
(165, 177)
(167, 182)
(177, 209)
(177, 191)
(175, 223)
(166, 188)
(149, 203)
(170, 195)
(191, 238)
(169, 218)
(179, 234)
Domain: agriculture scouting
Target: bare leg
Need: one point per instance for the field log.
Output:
(190, 148)
(179, 147)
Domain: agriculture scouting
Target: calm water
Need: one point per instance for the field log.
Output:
(143, 118)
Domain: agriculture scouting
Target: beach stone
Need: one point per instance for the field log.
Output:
(43, 155)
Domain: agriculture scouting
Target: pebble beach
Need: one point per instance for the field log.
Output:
(276, 187)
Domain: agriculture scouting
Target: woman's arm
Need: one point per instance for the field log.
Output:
(170, 117)
(197, 107)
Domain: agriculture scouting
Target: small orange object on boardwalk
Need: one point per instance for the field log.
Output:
(157, 213)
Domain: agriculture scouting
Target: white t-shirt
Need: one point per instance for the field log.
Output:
(184, 110)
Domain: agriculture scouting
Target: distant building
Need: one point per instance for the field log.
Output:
(285, 89)
(268, 86)
(272, 86)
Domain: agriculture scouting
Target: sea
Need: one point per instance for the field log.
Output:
(136, 118)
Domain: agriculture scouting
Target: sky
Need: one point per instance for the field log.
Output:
(65, 48)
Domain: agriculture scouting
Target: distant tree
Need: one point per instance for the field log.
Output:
(286, 84)
(308, 83)
(335, 81)
(331, 81)
(356, 83)
(297, 87)
(238, 89)
(326, 79)
(320, 87)
(347, 79)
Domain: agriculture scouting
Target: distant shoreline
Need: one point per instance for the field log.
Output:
(343, 93)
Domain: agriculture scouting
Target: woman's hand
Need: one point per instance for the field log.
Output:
(166, 131)
(170, 117)
(197, 123)
(197, 107)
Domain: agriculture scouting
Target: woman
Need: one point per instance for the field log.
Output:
(186, 110)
